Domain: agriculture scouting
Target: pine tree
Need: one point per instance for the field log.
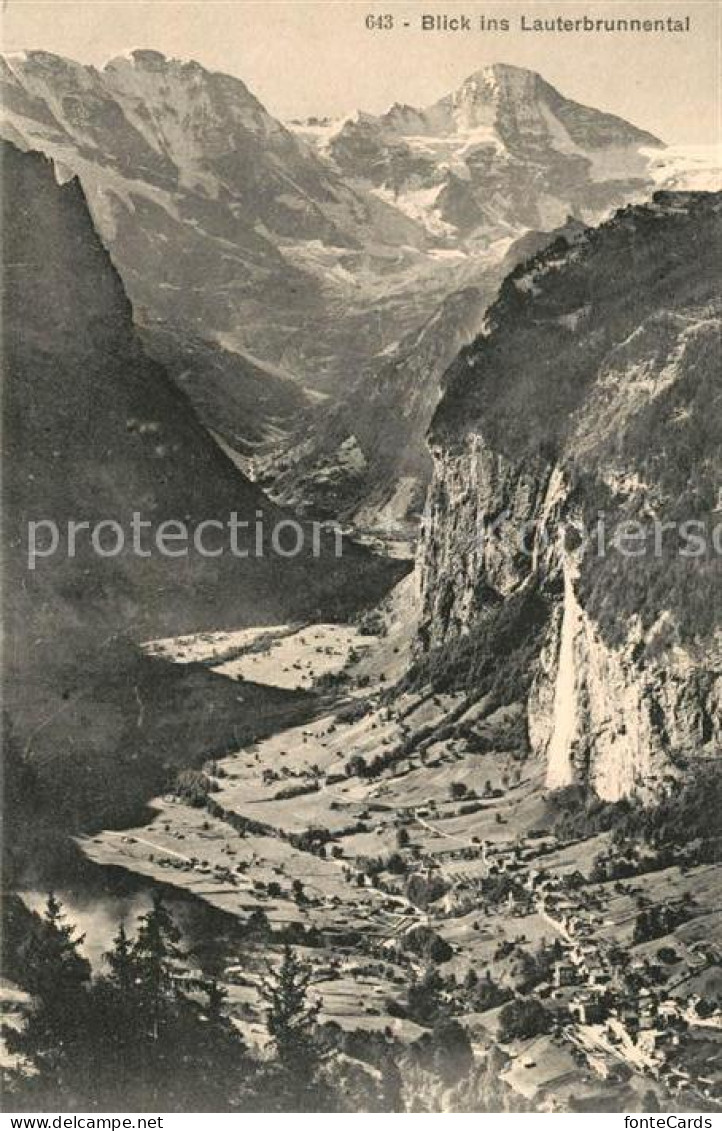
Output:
(194, 1059)
(391, 1091)
(650, 1101)
(131, 1039)
(453, 1056)
(54, 1038)
(122, 965)
(156, 955)
(53, 965)
(291, 1021)
(20, 800)
(217, 998)
(115, 1028)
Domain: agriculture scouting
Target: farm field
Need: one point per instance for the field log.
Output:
(378, 823)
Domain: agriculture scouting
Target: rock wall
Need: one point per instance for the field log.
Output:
(598, 715)
(538, 435)
(478, 542)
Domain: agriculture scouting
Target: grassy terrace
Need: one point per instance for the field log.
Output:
(293, 829)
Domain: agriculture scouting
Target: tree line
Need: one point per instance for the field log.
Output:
(149, 1033)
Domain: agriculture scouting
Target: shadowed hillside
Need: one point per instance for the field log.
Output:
(95, 432)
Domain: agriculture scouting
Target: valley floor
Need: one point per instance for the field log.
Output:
(436, 847)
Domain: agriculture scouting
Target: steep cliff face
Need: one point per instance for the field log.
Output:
(622, 718)
(589, 403)
(95, 430)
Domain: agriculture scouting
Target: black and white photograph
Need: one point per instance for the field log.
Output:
(362, 560)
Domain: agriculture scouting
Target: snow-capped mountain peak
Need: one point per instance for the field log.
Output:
(502, 152)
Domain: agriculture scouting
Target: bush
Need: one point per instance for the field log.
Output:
(327, 681)
(193, 787)
(577, 813)
(371, 623)
(523, 1018)
(690, 811)
(423, 890)
(352, 712)
(356, 766)
(667, 954)
(296, 790)
(425, 943)
(453, 1056)
(457, 790)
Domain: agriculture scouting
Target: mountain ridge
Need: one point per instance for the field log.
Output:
(501, 84)
(188, 176)
(248, 248)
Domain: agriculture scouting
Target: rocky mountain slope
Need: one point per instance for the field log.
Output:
(95, 432)
(95, 429)
(221, 224)
(592, 397)
(367, 459)
(242, 243)
(368, 452)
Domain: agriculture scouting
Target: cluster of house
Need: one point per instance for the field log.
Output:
(626, 1011)
(628, 1007)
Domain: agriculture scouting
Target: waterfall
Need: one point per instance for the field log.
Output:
(560, 768)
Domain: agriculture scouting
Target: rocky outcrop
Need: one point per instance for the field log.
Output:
(587, 405)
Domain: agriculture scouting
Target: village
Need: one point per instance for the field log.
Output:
(399, 853)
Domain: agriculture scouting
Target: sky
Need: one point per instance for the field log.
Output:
(304, 57)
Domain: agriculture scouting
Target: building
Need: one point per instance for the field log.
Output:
(565, 974)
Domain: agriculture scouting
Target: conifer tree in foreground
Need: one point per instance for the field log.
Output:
(53, 1039)
(174, 1052)
(156, 955)
(132, 1039)
(296, 1080)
